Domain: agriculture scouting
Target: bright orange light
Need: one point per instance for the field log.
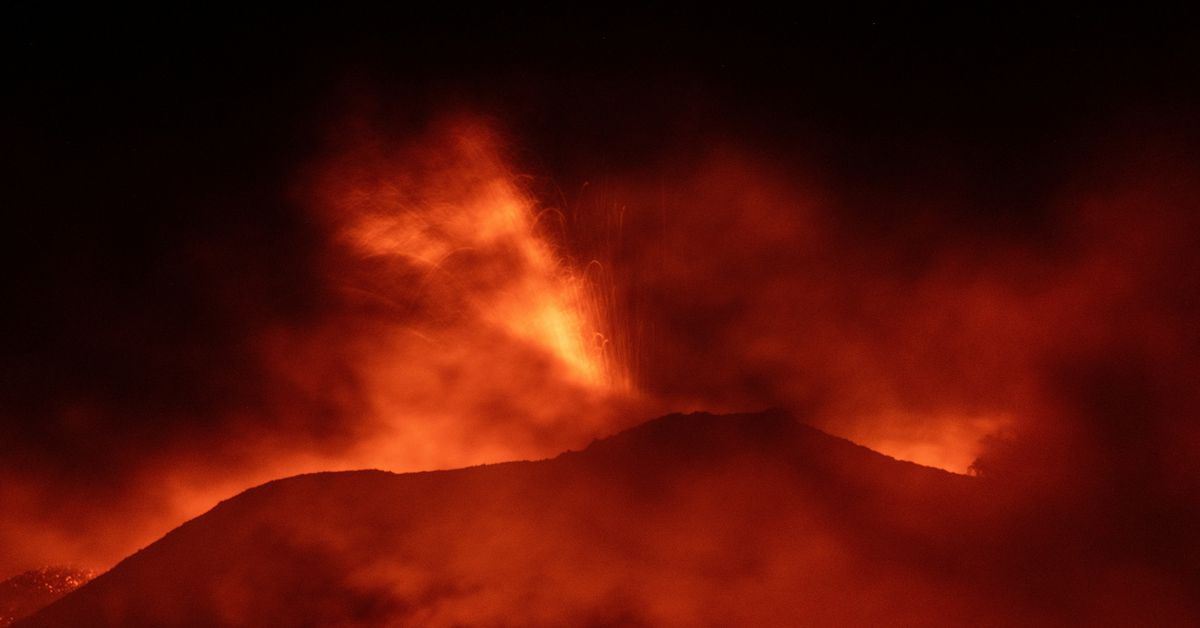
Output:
(471, 207)
(949, 442)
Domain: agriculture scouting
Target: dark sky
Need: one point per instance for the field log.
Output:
(153, 228)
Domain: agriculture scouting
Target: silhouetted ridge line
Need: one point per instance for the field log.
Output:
(697, 519)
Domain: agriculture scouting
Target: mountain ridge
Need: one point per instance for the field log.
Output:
(695, 519)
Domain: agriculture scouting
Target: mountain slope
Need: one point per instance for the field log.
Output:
(685, 520)
(25, 593)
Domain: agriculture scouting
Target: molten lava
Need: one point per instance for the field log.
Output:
(519, 286)
(470, 335)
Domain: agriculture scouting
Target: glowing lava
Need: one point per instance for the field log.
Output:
(470, 230)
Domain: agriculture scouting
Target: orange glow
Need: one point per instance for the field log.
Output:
(945, 442)
(584, 318)
(471, 336)
(460, 324)
(528, 291)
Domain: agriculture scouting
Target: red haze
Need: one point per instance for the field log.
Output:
(461, 317)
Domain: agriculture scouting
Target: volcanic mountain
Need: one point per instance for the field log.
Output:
(685, 520)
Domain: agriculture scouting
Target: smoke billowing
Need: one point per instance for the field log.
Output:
(348, 245)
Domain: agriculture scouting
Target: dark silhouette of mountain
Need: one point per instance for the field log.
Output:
(26, 593)
(685, 520)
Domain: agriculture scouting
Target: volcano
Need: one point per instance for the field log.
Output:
(750, 519)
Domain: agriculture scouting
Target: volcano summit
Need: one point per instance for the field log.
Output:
(685, 520)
